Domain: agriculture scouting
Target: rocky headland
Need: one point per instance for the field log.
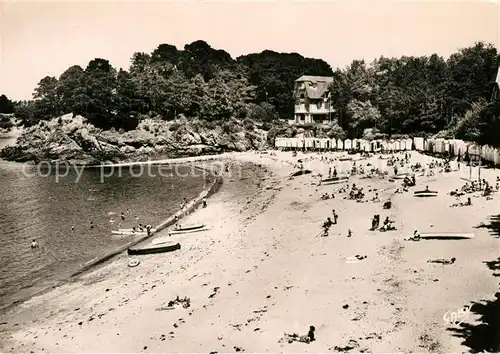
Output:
(73, 139)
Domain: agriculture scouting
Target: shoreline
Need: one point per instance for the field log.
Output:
(261, 271)
(191, 206)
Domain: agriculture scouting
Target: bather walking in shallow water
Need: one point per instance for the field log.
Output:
(34, 245)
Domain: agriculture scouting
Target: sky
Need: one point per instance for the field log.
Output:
(45, 38)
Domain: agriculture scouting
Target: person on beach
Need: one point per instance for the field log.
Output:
(148, 230)
(34, 245)
(183, 203)
(326, 226)
(334, 172)
(335, 216)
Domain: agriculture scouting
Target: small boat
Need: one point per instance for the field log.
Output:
(129, 233)
(151, 249)
(178, 232)
(425, 193)
(335, 179)
(446, 236)
(136, 231)
(300, 173)
(133, 263)
(189, 227)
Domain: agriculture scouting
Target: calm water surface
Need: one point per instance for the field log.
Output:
(45, 208)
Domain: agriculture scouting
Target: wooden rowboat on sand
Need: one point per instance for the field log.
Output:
(425, 193)
(136, 231)
(152, 249)
(189, 227)
(446, 236)
(334, 179)
(178, 232)
(127, 233)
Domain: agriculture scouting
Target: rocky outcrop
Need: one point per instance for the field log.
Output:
(73, 139)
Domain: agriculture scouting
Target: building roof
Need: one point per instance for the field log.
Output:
(316, 86)
(314, 78)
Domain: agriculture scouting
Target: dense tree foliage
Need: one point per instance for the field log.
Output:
(6, 105)
(407, 95)
(199, 81)
(419, 95)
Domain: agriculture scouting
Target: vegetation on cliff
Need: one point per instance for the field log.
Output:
(425, 95)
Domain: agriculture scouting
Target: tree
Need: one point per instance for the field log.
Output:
(407, 95)
(6, 105)
(46, 94)
(100, 84)
(72, 90)
(166, 53)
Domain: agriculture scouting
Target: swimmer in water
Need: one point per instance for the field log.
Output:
(72, 227)
(34, 245)
(91, 224)
(123, 217)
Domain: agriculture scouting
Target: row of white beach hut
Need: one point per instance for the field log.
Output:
(339, 144)
(453, 147)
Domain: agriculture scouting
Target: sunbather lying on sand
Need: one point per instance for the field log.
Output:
(414, 237)
(442, 261)
(467, 203)
(294, 337)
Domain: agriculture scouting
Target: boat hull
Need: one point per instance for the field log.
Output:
(300, 173)
(131, 231)
(425, 194)
(191, 227)
(335, 179)
(154, 249)
(120, 233)
(446, 236)
(177, 232)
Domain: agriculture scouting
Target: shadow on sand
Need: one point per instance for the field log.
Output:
(484, 334)
(493, 226)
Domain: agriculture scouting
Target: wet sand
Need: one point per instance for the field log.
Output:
(262, 270)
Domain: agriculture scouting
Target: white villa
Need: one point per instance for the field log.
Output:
(312, 100)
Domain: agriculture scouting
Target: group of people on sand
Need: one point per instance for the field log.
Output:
(388, 224)
(328, 223)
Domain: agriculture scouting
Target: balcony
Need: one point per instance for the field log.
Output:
(323, 108)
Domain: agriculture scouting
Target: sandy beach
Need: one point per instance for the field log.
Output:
(263, 269)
